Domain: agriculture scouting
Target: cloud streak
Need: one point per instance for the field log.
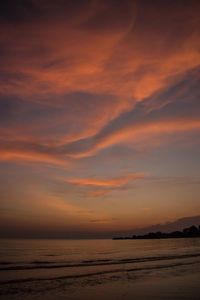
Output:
(113, 182)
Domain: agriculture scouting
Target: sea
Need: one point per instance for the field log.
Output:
(100, 269)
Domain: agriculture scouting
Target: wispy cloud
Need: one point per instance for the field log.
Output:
(164, 113)
(52, 89)
(109, 182)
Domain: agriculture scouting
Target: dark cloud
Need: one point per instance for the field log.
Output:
(27, 11)
(18, 12)
(111, 15)
(16, 112)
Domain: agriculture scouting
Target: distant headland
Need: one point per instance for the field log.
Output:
(189, 232)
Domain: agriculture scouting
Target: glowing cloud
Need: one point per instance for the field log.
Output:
(114, 182)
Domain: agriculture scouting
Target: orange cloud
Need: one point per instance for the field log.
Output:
(138, 132)
(63, 155)
(128, 58)
(18, 156)
(113, 182)
(98, 193)
(114, 64)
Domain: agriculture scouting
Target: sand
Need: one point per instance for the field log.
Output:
(174, 283)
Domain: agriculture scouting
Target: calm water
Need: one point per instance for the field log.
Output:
(37, 262)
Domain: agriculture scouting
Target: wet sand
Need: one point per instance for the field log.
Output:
(174, 283)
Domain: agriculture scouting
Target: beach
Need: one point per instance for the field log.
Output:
(100, 269)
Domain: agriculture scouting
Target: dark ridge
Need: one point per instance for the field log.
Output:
(190, 232)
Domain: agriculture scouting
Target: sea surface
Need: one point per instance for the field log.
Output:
(109, 269)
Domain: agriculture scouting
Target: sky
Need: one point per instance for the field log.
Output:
(99, 115)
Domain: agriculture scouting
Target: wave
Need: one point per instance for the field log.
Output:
(96, 260)
(35, 262)
(146, 268)
(6, 263)
(88, 263)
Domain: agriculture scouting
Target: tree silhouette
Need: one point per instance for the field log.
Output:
(189, 232)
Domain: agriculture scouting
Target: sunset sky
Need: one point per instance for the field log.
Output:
(99, 115)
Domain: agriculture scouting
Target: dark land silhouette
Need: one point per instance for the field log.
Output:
(189, 232)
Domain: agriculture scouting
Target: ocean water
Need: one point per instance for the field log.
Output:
(74, 269)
